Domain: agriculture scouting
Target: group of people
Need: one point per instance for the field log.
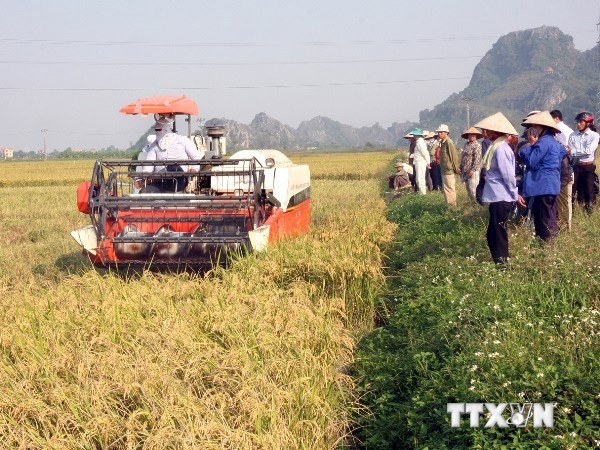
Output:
(541, 174)
(434, 160)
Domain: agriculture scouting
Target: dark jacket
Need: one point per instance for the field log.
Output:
(449, 161)
(543, 162)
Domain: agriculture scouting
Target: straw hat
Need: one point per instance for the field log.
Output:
(416, 132)
(471, 130)
(399, 164)
(497, 122)
(543, 118)
(408, 136)
(443, 127)
(430, 135)
(529, 114)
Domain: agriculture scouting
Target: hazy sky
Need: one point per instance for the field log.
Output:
(68, 66)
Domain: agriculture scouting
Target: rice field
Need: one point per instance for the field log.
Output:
(251, 357)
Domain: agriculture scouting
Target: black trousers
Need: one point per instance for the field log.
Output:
(436, 176)
(584, 185)
(545, 213)
(497, 235)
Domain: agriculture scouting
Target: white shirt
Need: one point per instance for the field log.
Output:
(421, 153)
(171, 146)
(565, 132)
(583, 145)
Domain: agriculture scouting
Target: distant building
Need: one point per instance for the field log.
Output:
(7, 153)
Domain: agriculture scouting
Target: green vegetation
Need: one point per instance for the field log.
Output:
(456, 329)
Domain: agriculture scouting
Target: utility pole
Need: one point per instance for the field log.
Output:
(44, 131)
(467, 100)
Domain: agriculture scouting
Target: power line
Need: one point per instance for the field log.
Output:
(208, 88)
(192, 63)
(73, 133)
(255, 44)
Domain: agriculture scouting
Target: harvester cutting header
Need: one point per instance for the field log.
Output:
(182, 202)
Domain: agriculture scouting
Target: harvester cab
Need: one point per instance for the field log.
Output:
(182, 212)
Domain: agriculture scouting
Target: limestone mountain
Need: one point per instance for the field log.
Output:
(319, 132)
(536, 69)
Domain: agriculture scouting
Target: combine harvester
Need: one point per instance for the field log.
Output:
(190, 213)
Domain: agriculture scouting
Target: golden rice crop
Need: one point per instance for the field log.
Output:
(44, 173)
(346, 166)
(247, 357)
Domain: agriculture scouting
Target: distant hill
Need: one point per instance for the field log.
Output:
(536, 69)
(523, 71)
(319, 132)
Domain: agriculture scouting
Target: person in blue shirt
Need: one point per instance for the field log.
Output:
(500, 189)
(541, 182)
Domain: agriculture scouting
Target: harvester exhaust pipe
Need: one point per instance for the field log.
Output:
(217, 140)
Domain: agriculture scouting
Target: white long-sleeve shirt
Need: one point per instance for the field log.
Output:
(565, 133)
(583, 145)
(421, 154)
(171, 147)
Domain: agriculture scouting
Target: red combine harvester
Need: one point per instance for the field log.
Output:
(190, 212)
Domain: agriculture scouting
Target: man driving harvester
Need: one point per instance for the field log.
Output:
(169, 146)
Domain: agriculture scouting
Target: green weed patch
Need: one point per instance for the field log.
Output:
(457, 329)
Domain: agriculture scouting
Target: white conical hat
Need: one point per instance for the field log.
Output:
(542, 118)
(497, 122)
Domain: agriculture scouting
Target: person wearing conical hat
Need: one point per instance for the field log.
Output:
(450, 164)
(541, 182)
(500, 188)
(470, 161)
(420, 160)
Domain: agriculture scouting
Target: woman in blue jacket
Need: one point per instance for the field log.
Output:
(541, 182)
